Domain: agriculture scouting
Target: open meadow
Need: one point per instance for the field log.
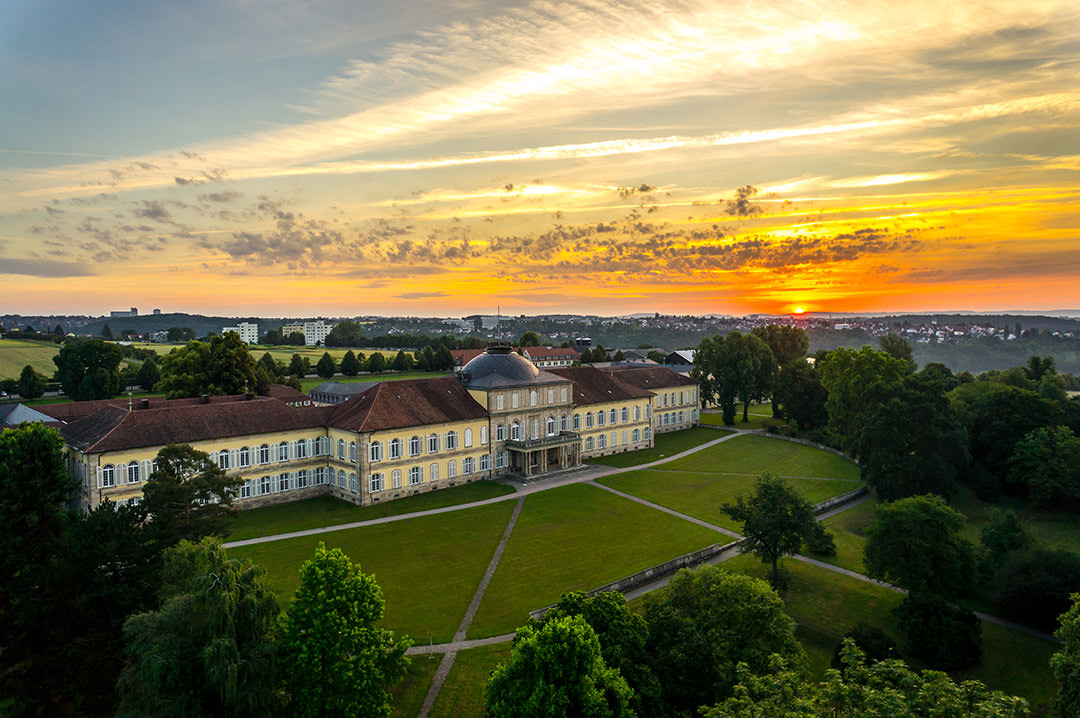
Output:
(17, 353)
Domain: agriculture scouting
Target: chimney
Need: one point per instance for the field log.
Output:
(144, 403)
(204, 399)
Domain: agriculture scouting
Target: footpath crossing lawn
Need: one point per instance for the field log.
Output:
(573, 538)
(407, 696)
(664, 445)
(329, 511)
(699, 484)
(428, 567)
(462, 696)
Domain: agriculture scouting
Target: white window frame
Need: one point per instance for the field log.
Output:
(416, 475)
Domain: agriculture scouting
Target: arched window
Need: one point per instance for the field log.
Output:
(395, 478)
(264, 454)
(353, 487)
(283, 451)
(577, 421)
(637, 435)
(534, 429)
(341, 449)
(551, 426)
(483, 435)
(588, 443)
(395, 448)
(352, 451)
(414, 446)
(451, 469)
(133, 472)
(432, 443)
(500, 432)
(600, 418)
(433, 472)
(301, 449)
(532, 398)
(588, 419)
(564, 423)
(637, 413)
(451, 440)
(223, 458)
(467, 438)
(375, 451)
(341, 478)
(245, 457)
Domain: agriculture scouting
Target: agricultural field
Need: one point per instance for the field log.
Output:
(17, 353)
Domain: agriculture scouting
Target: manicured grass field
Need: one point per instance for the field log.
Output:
(701, 483)
(573, 538)
(1053, 529)
(428, 567)
(664, 445)
(329, 511)
(827, 604)
(407, 696)
(462, 696)
(17, 353)
(760, 415)
(847, 529)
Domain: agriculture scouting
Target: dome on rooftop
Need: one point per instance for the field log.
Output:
(499, 366)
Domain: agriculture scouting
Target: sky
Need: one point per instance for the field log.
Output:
(453, 157)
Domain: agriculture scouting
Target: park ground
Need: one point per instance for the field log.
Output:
(430, 553)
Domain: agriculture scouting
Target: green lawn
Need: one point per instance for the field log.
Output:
(407, 696)
(664, 445)
(760, 415)
(848, 530)
(17, 353)
(329, 511)
(462, 695)
(1053, 529)
(578, 537)
(698, 485)
(827, 604)
(428, 567)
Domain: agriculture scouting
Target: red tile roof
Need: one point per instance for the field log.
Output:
(653, 378)
(464, 356)
(412, 402)
(550, 353)
(592, 386)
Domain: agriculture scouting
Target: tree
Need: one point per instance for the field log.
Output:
(733, 368)
(208, 649)
(874, 643)
(776, 520)
(326, 366)
(89, 370)
(916, 543)
(858, 382)
(444, 360)
(179, 334)
(943, 636)
(657, 356)
(297, 365)
(1003, 534)
(622, 635)
(927, 456)
(402, 361)
(1034, 587)
(340, 661)
(557, 671)
(376, 363)
(106, 333)
(801, 395)
(187, 496)
(1065, 663)
(31, 385)
(703, 624)
(221, 366)
(861, 689)
(148, 375)
(529, 339)
(345, 334)
(1047, 461)
(350, 364)
(898, 348)
(788, 344)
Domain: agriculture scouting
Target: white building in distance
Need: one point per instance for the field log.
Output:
(248, 331)
(314, 332)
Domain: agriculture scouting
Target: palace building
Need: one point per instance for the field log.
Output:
(499, 416)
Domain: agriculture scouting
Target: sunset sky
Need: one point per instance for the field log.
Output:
(447, 157)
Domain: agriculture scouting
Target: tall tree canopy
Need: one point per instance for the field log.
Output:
(340, 662)
(223, 365)
(800, 395)
(31, 385)
(351, 364)
(556, 670)
(916, 543)
(188, 495)
(858, 382)
(736, 367)
(89, 370)
(776, 520)
(326, 366)
(1047, 462)
(208, 650)
(1065, 663)
(707, 621)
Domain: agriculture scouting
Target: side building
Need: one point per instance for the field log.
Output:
(674, 395)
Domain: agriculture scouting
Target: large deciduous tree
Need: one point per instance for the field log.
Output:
(89, 370)
(1047, 462)
(223, 365)
(858, 382)
(1065, 663)
(788, 344)
(736, 367)
(801, 395)
(916, 543)
(340, 662)
(188, 495)
(31, 385)
(703, 624)
(557, 670)
(776, 521)
(208, 649)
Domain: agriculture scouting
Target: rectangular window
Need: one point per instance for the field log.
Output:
(395, 478)
(601, 442)
(514, 400)
(245, 490)
(301, 479)
(562, 394)
(375, 483)
(589, 444)
(468, 465)
(483, 435)
(498, 402)
(416, 475)
(551, 396)
(485, 462)
(264, 485)
(451, 469)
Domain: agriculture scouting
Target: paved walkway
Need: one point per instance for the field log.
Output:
(450, 655)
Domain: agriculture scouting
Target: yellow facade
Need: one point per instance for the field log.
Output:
(600, 435)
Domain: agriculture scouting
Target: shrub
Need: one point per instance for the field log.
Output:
(1034, 587)
(943, 636)
(820, 542)
(871, 640)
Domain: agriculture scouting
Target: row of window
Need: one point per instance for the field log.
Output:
(533, 396)
(285, 482)
(269, 453)
(132, 473)
(602, 441)
(415, 445)
(687, 397)
(415, 474)
(676, 417)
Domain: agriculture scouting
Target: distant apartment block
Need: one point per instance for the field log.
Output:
(315, 332)
(248, 331)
